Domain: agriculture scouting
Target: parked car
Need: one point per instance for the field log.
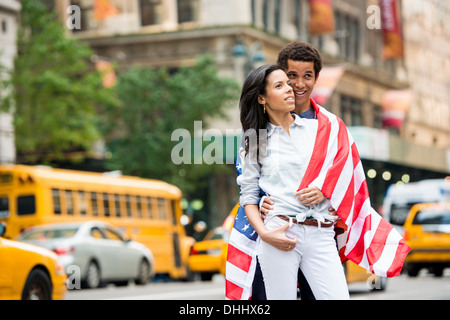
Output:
(98, 249)
(427, 232)
(29, 272)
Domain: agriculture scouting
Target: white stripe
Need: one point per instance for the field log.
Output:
(331, 152)
(236, 275)
(375, 220)
(359, 176)
(388, 255)
(343, 182)
(242, 243)
(356, 228)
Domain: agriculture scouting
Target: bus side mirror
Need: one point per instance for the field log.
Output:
(2, 229)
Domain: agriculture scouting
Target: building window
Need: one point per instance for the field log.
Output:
(277, 13)
(377, 117)
(265, 14)
(4, 26)
(151, 12)
(351, 111)
(253, 12)
(347, 35)
(297, 20)
(187, 10)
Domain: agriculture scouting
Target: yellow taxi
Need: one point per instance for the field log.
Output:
(209, 257)
(29, 272)
(427, 232)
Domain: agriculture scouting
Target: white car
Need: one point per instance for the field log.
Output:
(96, 250)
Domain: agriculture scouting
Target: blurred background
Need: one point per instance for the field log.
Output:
(389, 82)
(101, 85)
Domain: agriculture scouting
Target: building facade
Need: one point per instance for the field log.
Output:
(9, 10)
(241, 34)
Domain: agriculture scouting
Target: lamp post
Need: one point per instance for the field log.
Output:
(247, 59)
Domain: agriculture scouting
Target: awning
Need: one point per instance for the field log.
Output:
(395, 106)
(326, 83)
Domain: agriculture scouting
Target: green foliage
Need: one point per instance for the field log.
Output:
(154, 104)
(54, 89)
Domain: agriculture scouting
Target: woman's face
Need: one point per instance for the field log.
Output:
(279, 95)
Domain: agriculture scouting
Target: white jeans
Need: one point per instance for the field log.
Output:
(317, 256)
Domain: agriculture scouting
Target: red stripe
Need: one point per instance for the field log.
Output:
(400, 255)
(238, 258)
(378, 242)
(233, 292)
(347, 202)
(340, 159)
(360, 197)
(320, 149)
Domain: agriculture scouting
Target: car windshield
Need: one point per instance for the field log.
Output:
(433, 216)
(49, 234)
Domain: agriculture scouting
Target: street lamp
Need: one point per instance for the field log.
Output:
(247, 59)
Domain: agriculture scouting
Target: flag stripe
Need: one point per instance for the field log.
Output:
(239, 258)
(320, 151)
(233, 292)
(339, 163)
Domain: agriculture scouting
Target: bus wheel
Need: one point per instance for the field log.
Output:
(37, 286)
(143, 273)
(92, 280)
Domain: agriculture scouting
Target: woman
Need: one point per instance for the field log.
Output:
(276, 152)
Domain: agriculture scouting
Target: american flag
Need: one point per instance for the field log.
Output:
(335, 168)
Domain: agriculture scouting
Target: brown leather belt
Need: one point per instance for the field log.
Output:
(308, 222)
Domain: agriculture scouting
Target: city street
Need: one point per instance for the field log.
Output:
(423, 287)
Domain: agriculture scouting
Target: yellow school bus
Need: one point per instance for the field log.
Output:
(149, 211)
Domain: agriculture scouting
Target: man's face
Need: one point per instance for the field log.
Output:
(303, 78)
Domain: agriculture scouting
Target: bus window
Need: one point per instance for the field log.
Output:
(139, 206)
(94, 204)
(149, 207)
(117, 204)
(4, 207)
(162, 210)
(69, 202)
(82, 205)
(26, 205)
(174, 212)
(56, 201)
(106, 204)
(128, 205)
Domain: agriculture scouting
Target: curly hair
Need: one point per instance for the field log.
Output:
(300, 51)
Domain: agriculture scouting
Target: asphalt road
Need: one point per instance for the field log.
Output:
(423, 287)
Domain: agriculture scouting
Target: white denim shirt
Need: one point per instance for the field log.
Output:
(281, 171)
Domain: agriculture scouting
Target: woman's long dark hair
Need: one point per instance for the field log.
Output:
(253, 118)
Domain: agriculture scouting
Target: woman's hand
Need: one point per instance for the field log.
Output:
(279, 239)
(310, 196)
